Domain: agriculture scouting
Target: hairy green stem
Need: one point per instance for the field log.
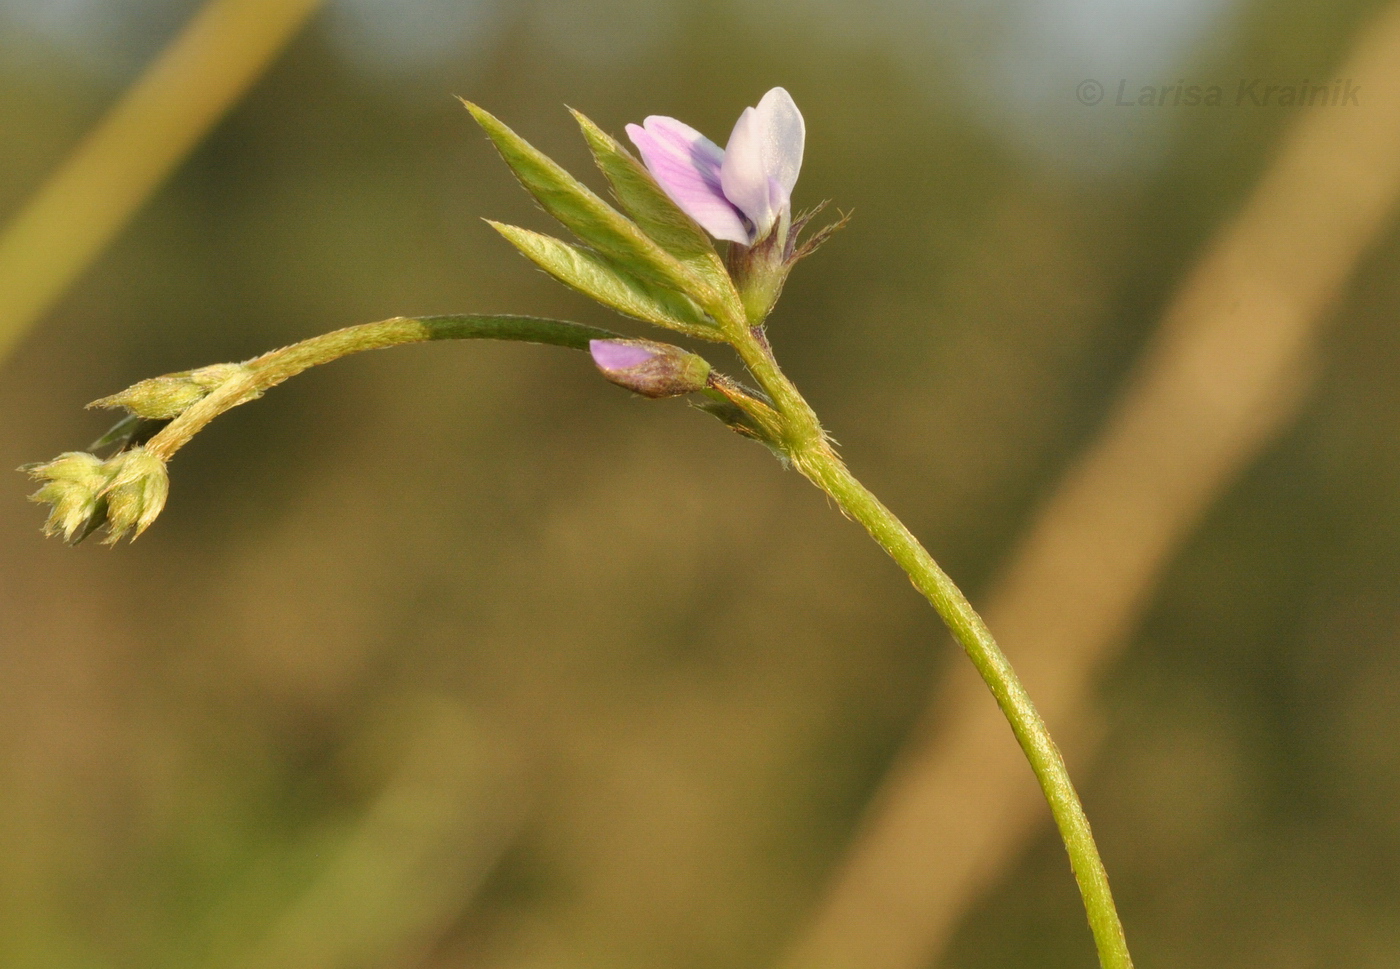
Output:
(806, 445)
(270, 369)
(792, 428)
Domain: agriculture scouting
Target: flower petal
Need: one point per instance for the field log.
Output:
(764, 150)
(611, 355)
(742, 175)
(687, 166)
(787, 134)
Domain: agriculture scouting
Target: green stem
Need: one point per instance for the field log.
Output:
(807, 447)
(791, 427)
(270, 369)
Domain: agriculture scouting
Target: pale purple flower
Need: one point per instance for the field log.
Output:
(739, 192)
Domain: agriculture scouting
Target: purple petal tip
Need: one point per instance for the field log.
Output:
(613, 355)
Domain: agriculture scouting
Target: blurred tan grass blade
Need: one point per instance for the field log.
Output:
(1227, 371)
(121, 162)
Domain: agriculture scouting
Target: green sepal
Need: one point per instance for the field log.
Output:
(596, 223)
(659, 217)
(597, 278)
(743, 409)
(131, 429)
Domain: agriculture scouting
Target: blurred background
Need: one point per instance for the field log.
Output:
(456, 656)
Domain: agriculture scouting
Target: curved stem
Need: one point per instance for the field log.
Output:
(270, 369)
(810, 452)
(791, 427)
(829, 473)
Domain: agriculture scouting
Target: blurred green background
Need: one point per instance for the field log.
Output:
(457, 656)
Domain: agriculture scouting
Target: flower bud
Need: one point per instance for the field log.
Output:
(650, 369)
(74, 483)
(136, 492)
(162, 398)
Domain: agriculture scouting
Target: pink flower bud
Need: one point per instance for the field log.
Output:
(650, 369)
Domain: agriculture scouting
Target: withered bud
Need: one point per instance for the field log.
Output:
(136, 493)
(125, 492)
(73, 487)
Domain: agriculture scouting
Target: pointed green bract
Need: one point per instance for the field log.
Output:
(597, 224)
(652, 208)
(122, 433)
(163, 398)
(595, 277)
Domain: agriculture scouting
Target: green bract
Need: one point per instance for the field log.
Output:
(655, 266)
(162, 398)
(595, 277)
(647, 202)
